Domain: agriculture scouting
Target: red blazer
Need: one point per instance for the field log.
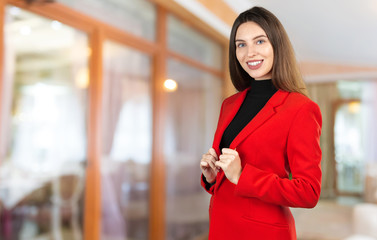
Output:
(282, 138)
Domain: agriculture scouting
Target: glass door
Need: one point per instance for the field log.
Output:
(349, 151)
(192, 111)
(355, 136)
(43, 128)
(127, 143)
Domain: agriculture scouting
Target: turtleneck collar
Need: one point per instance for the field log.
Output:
(262, 87)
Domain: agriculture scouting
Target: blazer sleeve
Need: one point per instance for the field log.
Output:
(207, 186)
(304, 156)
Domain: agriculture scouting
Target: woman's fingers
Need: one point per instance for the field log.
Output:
(204, 164)
(212, 164)
(228, 151)
(230, 163)
(220, 164)
(213, 153)
(210, 160)
(226, 158)
(224, 161)
(208, 166)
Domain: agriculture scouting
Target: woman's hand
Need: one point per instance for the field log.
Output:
(230, 163)
(207, 165)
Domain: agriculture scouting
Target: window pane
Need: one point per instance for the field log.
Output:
(189, 42)
(43, 132)
(355, 136)
(348, 147)
(137, 17)
(191, 119)
(127, 141)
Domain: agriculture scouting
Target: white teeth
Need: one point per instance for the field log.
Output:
(254, 63)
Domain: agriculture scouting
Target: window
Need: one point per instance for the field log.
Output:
(136, 17)
(190, 43)
(127, 143)
(44, 126)
(191, 119)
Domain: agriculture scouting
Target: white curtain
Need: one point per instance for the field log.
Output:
(127, 141)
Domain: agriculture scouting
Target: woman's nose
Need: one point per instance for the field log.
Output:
(251, 51)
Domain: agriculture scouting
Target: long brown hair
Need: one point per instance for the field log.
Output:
(285, 71)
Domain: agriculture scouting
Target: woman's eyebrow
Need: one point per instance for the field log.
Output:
(259, 36)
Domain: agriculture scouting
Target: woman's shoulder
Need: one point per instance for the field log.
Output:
(300, 101)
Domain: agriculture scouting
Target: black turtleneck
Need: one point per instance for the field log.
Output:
(258, 95)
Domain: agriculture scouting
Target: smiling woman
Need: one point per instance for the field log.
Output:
(265, 156)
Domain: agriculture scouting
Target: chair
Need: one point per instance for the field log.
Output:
(67, 189)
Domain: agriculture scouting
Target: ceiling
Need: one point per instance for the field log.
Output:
(334, 32)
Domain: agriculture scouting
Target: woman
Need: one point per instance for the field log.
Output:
(265, 156)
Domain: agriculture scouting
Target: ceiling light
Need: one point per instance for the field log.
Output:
(170, 85)
(82, 78)
(354, 107)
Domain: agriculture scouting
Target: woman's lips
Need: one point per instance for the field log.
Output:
(254, 65)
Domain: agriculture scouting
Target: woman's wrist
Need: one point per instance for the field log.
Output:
(212, 181)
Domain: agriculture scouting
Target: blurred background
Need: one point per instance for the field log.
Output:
(106, 107)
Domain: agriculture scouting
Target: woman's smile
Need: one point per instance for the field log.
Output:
(254, 65)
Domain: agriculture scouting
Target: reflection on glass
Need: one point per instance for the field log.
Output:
(43, 131)
(189, 42)
(191, 115)
(355, 137)
(349, 133)
(127, 140)
(137, 17)
(348, 147)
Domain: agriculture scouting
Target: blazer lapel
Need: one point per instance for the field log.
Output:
(263, 115)
(230, 110)
(266, 113)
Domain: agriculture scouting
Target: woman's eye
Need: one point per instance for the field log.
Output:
(260, 42)
(241, 45)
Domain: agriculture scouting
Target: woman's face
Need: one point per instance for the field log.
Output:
(254, 51)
